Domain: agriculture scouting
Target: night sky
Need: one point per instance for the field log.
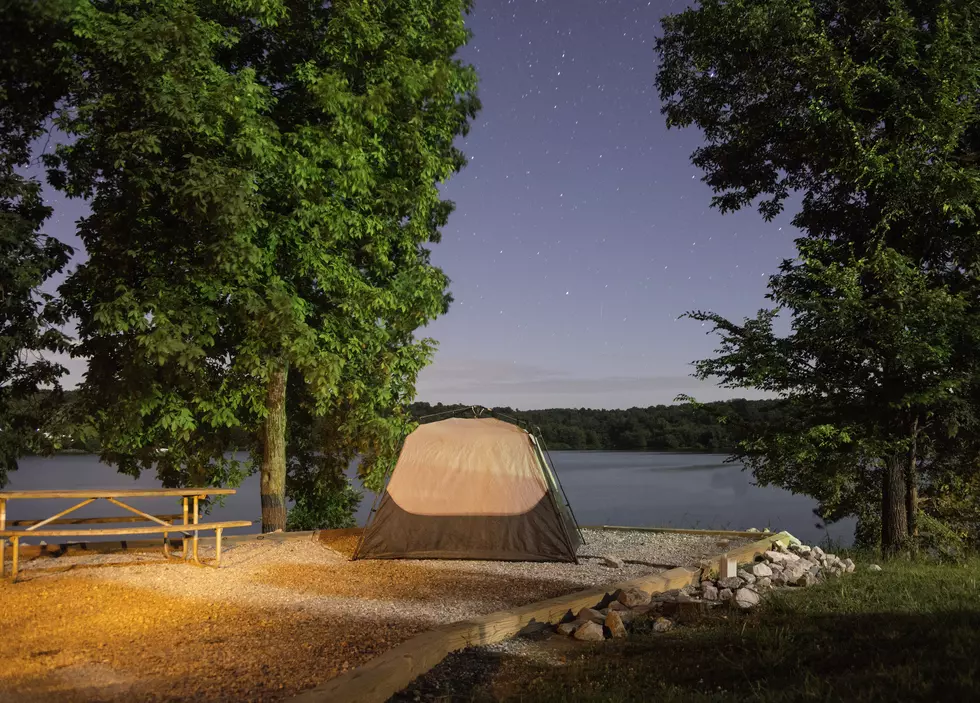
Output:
(581, 230)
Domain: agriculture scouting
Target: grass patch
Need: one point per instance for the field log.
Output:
(910, 633)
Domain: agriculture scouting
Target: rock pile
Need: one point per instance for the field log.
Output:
(795, 566)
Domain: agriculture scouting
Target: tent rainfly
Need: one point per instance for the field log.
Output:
(472, 488)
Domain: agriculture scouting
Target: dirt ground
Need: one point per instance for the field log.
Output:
(277, 617)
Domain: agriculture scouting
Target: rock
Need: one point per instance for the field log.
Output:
(874, 567)
(793, 542)
(633, 597)
(590, 614)
(818, 553)
(726, 594)
(567, 628)
(803, 550)
(614, 623)
(709, 591)
(764, 583)
(760, 570)
(590, 632)
(722, 544)
(793, 572)
(780, 547)
(746, 576)
(780, 557)
(732, 582)
(645, 609)
(684, 597)
(752, 529)
(806, 579)
(849, 566)
(612, 561)
(816, 571)
(616, 605)
(746, 598)
(662, 625)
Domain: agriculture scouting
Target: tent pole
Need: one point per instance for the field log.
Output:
(554, 499)
(560, 486)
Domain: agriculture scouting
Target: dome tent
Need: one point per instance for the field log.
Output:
(472, 488)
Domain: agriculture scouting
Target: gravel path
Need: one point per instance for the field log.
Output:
(277, 618)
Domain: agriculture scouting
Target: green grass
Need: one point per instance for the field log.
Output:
(910, 633)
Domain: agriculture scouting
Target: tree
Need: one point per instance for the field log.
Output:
(875, 366)
(31, 80)
(264, 186)
(869, 111)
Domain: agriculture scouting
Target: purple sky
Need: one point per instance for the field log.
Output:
(581, 231)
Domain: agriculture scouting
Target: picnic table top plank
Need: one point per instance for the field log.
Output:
(157, 529)
(82, 493)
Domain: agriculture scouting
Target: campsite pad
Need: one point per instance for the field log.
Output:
(275, 619)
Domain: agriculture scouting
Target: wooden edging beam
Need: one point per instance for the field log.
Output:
(385, 675)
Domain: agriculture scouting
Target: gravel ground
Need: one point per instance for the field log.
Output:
(275, 619)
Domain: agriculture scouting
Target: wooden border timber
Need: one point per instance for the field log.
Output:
(385, 675)
(678, 531)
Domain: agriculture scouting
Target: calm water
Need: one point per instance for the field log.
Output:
(604, 488)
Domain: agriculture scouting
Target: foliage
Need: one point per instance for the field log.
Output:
(263, 179)
(324, 506)
(869, 112)
(29, 316)
(683, 428)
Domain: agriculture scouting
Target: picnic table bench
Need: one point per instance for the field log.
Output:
(165, 523)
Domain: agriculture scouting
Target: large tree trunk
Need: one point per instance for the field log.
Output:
(894, 512)
(912, 485)
(273, 471)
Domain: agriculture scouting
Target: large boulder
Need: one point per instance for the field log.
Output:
(849, 566)
(746, 598)
(614, 623)
(746, 576)
(662, 625)
(760, 570)
(726, 594)
(568, 628)
(632, 597)
(590, 632)
(590, 614)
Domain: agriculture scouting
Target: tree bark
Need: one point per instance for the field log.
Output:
(894, 511)
(273, 471)
(912, 487)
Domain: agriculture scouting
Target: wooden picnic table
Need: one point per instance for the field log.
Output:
(85, 496)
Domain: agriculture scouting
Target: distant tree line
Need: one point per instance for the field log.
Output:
(712, 427)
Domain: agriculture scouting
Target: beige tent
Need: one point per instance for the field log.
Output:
(472, 488)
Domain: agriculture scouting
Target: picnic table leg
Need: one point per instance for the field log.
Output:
(184, 543)
(3, 526)
(217, 544)
(195, 533)
(13, 571)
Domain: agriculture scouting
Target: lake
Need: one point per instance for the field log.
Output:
(604, 488)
